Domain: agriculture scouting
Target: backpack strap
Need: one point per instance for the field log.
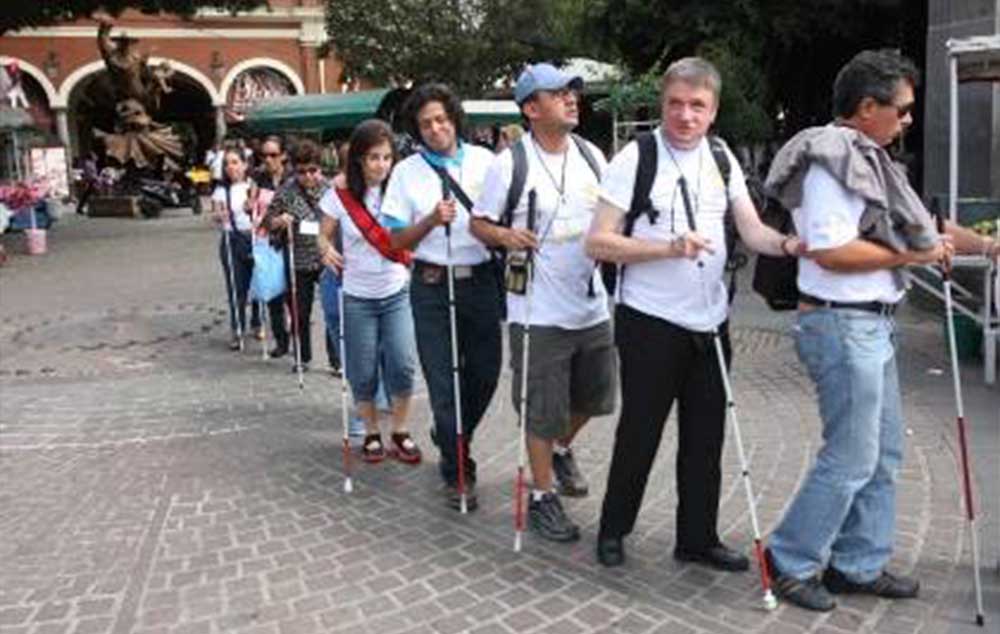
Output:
(645, 174)
(519, 175)
(734, 261)
(721, 157)
(584, 147)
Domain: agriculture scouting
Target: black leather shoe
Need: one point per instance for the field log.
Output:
(805, 593)
(887, 586)
(610, 551)
(454, 500)
(278, 351)
(568, 476)
(719, 557)
(547, 518)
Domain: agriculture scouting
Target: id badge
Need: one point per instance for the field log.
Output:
(309, 228)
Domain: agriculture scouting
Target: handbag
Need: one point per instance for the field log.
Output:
(268, 278)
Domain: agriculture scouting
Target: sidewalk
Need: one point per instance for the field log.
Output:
(155, 482)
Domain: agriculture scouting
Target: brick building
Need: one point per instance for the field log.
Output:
(222, 63)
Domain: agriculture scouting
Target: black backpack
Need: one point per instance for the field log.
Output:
(641, 204)
(519, 176)
(775, 277)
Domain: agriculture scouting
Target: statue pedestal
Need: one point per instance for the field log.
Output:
(114, 207)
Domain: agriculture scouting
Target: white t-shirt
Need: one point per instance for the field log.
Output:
(237, 198)
(415, 189)
(674, 289)
(828, 218)
(563, 272)
(216, 161)
(367, 273)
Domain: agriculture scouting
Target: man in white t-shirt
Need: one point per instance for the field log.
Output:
(837, 534)
(669, 304)
(571, 367)
(415, 201)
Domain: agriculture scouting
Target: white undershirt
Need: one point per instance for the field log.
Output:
(827, 219)
(563, 272)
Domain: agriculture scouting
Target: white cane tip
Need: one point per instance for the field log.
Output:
(770, 603)
(517, 543)
(464, 506)
(348, 486)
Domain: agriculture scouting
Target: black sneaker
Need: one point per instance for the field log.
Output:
(454, 500)
(547, 518)
(887, 586)
(568, 477)
(805, 593)
(278, 351)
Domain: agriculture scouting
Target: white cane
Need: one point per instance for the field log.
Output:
(770, 602)
(523, 405)
(456, 378)
(963, 443)
(345, 418)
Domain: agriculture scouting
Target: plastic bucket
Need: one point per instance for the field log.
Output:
(35, 241)
(968, 337)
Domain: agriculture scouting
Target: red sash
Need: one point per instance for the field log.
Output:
(373, 232)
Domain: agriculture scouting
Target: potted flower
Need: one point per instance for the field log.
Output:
(22, 198)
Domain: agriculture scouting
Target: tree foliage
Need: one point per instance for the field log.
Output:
(778, 58)
(468, 43)
(17, 15)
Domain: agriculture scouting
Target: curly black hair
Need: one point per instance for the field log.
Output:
(425, 94)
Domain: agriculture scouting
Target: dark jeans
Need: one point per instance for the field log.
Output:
(240, 253)
(305, 290)
(477, 308)
(276, 315)
(661, 363)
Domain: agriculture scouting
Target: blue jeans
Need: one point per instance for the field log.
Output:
(379, 327)
(329, 292)
(845, 513)
(241, 256)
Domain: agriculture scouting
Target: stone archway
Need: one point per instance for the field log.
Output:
(255, 79)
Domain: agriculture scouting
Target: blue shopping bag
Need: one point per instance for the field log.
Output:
(268, 278)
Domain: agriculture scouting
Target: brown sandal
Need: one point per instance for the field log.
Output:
(405, 449)
(372, 449)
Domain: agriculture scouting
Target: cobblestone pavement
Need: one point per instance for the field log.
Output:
(153, 481)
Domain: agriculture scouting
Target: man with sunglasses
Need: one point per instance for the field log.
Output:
(671, 297)
(848, 200)
(571, 368)
(296, 205)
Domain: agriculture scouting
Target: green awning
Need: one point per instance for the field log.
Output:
(340, 111)
(490, 111)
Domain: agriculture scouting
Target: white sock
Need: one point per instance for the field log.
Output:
(537, 495)
(560, 449)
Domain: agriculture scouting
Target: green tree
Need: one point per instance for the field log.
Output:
(778, 58)
(470, 44)
(17, 15)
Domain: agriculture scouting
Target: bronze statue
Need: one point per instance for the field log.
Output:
(137, 139)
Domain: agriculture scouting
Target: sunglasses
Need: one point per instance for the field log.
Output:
(271, 154)
(905, 109)
(302, 171)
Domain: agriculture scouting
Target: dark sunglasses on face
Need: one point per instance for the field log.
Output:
(271, 154)
(905, 109)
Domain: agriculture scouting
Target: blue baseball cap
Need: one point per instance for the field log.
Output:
(543, 77)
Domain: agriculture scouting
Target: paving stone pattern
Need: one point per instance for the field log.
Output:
(154, 482)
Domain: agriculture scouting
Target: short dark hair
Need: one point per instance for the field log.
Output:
(425, 94)
(874, 74)
(276, 139)
(367, 135)
(307, 152)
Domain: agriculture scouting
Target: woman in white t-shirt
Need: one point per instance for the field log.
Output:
(376, 320)
(230, 204)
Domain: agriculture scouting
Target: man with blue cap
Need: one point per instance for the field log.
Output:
(537, 201)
